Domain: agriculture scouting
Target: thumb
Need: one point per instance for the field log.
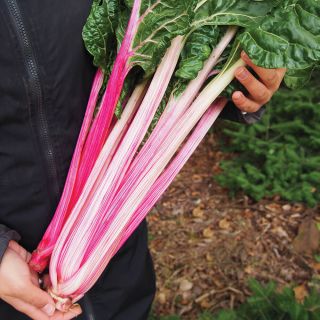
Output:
(39, 299)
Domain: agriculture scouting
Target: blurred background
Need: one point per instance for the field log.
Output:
(237, 235)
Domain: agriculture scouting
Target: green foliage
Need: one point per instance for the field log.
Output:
(280, 154)
(268, 304)
(99, 33)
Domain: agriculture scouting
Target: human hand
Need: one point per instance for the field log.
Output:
(260, 90)
(19, 287)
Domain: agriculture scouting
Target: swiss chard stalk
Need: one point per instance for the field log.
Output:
(148, 34)
(78, 275)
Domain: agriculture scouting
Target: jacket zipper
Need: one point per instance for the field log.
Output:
(32, 69)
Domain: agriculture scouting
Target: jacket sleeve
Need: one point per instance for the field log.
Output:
(6, 235)
(232, 113)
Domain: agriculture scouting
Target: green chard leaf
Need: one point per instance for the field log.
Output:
(162, 21)
(275, 34)
(197, 50)
(297, 78)
(242, 13)
(99, 33)
(209, 25)
(287, 38)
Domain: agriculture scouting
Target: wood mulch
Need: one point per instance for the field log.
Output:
(206, 246)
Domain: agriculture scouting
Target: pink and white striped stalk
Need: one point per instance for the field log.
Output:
(66, 263)
(100, 255)
(177, 106)
(166, 178)
(154, 194)
(111, 238)
(101, 125)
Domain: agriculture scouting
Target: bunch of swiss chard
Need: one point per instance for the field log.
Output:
(163, 66)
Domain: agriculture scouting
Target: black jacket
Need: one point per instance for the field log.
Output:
(45, 81)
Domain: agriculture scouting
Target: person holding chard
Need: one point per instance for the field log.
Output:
(45, 81)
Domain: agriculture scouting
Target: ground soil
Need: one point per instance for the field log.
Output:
(206, 245)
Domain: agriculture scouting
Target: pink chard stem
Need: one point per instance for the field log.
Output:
(166, 178)
(101, 125)
(70, 272)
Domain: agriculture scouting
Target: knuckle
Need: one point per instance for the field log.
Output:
(243, 75)
(272, 78)
(276, 87)
(240, 103)
(263, 96)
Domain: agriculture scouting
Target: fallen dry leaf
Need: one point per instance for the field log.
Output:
(162, 298)
(308, 238)
(300, 293)
(198, 212)
(205, 304)
(224, 224)
(273, 207)
(280, 232)
(209, 257)
(186, 297)
(316, 266)
(249, 270)
(208, 233)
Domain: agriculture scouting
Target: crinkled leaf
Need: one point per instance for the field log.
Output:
(196, 51)
(276, 34)
(163, 21)
(289, 37)
(298, 78)
(207, 28)
(233, 12)
(99, 33)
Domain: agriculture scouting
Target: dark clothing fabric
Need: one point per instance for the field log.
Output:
(230, 112)
(45, 81)
(5, 236)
